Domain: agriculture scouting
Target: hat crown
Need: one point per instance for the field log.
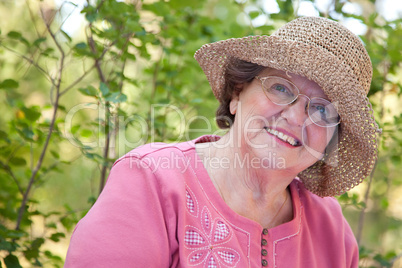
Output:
(333, 38)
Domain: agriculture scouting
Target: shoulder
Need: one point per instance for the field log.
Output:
(145, 152)
(328, 207)
(163, 158)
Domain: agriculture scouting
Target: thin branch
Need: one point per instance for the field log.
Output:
(56, 43)
(105, 153)
(39, 163)
(366, 196)
(11, 173)
(32, 55)
(30, 61)
(97, 61)
(101, 75)
(86, 72)
(68, 16)
(73, 84)
(32, 17)
(363, 212)
(51, 126)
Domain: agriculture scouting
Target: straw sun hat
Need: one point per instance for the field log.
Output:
(327, 53)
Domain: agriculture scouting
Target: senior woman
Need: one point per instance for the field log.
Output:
(300, 130)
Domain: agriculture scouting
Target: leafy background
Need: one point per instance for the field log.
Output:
(74, 101)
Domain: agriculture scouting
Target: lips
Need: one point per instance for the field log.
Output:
(283, 137)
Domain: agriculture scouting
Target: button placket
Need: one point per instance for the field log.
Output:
(264, 252)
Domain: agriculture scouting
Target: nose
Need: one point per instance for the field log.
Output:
(296, 113)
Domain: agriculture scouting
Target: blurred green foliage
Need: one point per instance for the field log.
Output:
(72, 104)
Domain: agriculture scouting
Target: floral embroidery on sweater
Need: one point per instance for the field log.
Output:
(192, 204)
(207, 243)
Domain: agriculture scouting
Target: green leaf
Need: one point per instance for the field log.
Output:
(91, 200)
(384, 203)
(396, 160)
(11, 261)
(56, 237)
(32, 113)
(81, 45)
(5, 245)
(133, 25)
(104, 89)
(18, 36)
(38, 242)
(3, 135)
(66, 36)
(48, 51)
(254, 14)
(116, 97)
(75, 128)
(14, 35)
(86, 133)
(31, 253)
(38, 41)
(91, 13)
(9, 84)
(26, 133)
(18, 161)
(53, 257)
(51, 225)
(82, 49)
(61, 108)
(89, 91)
(55, 154)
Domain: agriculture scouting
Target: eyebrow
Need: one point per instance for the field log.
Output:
(288, 79)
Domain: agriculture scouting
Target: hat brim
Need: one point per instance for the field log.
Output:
(356, 152)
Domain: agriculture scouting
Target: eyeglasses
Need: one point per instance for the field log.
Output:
(283, 92)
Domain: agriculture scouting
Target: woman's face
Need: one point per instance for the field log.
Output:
(278, 136)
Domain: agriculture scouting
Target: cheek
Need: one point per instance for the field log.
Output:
(315, 140)
(321, 137)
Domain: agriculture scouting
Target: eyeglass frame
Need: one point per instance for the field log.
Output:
(262, 79)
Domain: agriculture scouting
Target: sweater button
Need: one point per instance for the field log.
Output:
(264, 252)
(264, 242)
(264, 263)
(265, 231)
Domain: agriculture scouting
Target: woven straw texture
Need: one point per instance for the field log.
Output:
(329, 54)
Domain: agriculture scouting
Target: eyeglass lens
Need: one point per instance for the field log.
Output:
(282, 92)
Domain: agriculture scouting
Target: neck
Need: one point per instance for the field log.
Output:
(257, 193)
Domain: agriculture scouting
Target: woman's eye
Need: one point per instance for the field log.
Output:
(323, 113)
(280, 88)
(321, 109)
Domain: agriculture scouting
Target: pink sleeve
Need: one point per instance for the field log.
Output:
(126, 226)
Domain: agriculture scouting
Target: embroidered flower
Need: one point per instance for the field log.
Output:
(207, 244)
(192, 204)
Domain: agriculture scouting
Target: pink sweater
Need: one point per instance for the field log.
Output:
(160, 209)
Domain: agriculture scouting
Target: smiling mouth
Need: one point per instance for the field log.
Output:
(283, 137)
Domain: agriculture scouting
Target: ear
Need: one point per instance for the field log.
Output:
(234, 104)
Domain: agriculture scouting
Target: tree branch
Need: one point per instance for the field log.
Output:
(48, 77)
(73, 84)
(102, 78)
(51, 126)
(363, 212)
(11, 173)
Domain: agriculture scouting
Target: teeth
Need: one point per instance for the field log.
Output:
(283, 137)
